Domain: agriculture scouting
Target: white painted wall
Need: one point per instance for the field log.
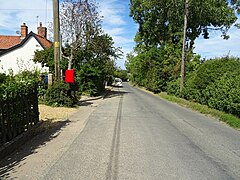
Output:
(21, 58)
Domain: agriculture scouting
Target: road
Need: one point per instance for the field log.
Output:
(136, 135)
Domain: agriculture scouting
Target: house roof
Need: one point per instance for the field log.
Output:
(9, 43)
(43, 41)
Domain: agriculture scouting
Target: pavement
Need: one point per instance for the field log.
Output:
(49, 144)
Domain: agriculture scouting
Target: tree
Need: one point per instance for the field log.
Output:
(96, 63)
(161, 29)
(87, 48)
(122, 74)
(208, 73)
(46, 58)
(79, 22)
(236, 6)
(161, 21)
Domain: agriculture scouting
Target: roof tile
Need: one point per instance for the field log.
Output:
(46, 43)
(7, 42)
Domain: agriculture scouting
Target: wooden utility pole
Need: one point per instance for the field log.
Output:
(56, 31)
(184, 47)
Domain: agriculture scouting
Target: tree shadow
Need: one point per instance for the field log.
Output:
(115, 93)
(42, 134)
(84, 103)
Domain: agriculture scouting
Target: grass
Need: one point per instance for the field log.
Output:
(230, 119)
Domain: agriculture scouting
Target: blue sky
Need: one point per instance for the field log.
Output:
(116, 22)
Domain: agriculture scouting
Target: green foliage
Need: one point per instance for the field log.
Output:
(3, 78)
(94, 64)
(46, 58)
(17, 84)
(155, 67)
(173, 87)
(215, 83)
(59, 94)
(91, 80)
(156, 64)
(122, 74)
(161, 22)
(19, 107)
(27, 76)
(87, 49)
(13, 87)
(224, 94)
(208, 73)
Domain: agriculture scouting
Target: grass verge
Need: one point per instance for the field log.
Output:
(231, 120)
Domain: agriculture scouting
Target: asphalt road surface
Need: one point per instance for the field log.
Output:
(136, 135)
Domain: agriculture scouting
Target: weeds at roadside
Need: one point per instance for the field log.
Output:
(231, 120)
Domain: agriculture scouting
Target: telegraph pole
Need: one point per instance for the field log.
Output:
(56, 31)
(184, 47)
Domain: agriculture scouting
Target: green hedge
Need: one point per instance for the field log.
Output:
(224, 94)
(207, 74)
(18, 107)
(61, 94)
(215, 83)
(91, 80)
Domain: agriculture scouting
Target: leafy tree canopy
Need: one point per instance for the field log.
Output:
(161, 21)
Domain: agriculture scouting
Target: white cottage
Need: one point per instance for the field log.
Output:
(17, 52)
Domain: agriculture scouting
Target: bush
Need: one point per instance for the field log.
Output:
(224, 94)
(3, 78)
(59, 94)
(18, 109)
(91, 80)
(173, 87)
(207, 74)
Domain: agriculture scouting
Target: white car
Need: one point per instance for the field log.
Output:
(117, 82)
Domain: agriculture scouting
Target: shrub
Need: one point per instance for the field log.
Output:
(224, 94)
(207, 74)
(91, 80)
(3, 78)
(59, 94)
(173, 87)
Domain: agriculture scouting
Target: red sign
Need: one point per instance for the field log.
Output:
(69, 76)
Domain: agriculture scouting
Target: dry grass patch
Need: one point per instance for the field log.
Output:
(55, 113)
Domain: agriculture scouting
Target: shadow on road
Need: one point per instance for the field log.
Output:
(115, 93)
(84, 103)
(47, 131)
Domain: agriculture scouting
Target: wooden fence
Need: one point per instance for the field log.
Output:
(18, 112)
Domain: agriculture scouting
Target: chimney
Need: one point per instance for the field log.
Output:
(24, 31)
(42, 31)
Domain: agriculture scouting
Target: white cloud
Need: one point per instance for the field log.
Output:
(118, 25)
(215, 46)
(115, 31)
(111, 11)
(121, 40)
(13, 13)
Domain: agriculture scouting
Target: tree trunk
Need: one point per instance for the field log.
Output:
(70, 60)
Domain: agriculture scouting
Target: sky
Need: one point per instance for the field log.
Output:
(116, 22)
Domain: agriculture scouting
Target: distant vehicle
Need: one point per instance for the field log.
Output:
(117, 82)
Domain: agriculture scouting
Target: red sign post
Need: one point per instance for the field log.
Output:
(69, 76)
